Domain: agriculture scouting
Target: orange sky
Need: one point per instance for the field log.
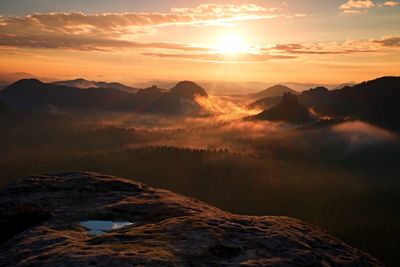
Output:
(333, 42)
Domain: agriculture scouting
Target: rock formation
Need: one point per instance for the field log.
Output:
(43, 215)
(289, 110)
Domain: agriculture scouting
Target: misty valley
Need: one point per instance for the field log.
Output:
(327, 156)
(199, 133)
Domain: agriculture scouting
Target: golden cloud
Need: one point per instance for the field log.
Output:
(110, 31)
(356, 6)
(391, 3)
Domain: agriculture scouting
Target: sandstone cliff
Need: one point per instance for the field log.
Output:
(41, 218)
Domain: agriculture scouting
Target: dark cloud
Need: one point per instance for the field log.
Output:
(86, 43)
(389, 41)
(324, 48)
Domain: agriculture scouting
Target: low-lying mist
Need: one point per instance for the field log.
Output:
(343, 177)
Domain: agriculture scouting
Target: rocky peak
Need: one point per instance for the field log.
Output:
(289, 99)
(161, 228)
(188, 89)
(288, 110)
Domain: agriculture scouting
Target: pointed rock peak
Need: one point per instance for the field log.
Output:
(153, 87)
(152, 90)
(289, 99)
(289, 110)
(320, 88)
(317, 90)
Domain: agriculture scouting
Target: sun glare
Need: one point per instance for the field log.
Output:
(231, 45)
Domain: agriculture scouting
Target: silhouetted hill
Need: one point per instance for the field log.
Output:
(180, 99)
(308, 97)
(45, 223)
(341, 86)
(85, 84)
(274, 91)
(289, 109)
(265, 103)
(36, 95)
(375, 101)
(187, 89)
(141, 101)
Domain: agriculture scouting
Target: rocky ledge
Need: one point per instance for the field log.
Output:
(41, 222)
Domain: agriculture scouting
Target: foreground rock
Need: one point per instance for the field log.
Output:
(42, 215)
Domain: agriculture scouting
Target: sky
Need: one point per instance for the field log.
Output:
(325, 41)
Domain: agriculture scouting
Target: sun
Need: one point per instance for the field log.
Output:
(231, 44)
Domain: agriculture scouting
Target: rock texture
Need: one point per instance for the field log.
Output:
(168, 229)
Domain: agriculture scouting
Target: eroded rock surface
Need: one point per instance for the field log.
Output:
(168, 229)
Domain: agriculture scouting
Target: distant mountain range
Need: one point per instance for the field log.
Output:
(35, 95)
(85, 84)
(239, 88)
(375, 101)
(213, 87)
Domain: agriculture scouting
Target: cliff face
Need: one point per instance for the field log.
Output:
(42, 218)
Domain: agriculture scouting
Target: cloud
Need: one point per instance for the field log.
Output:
(391, 3)
(59, 41)
(111, 31)
(328, 48)
(336, 48)
(361, 6)
(356, 6)
(215, 57)
(116, 32)
(392, 42)
(117, 24)
(207, 11)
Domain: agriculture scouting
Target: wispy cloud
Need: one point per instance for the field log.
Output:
(391, 41)
(391, 3)
(83, 43)
(110, 31)
(348, 47)
(362, 6)
(383, 44)
(215, 57)
(116, 32)
(124, 23)
(356, 6)
(289, 51)
(226, 11)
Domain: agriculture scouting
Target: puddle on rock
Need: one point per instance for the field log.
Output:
(101, 227)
